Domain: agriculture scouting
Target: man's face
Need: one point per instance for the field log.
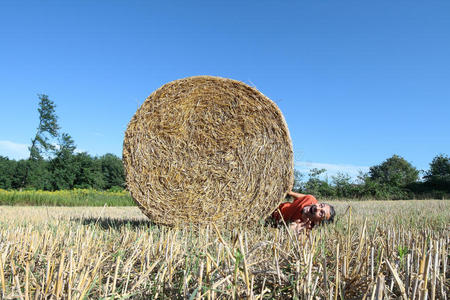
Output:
(317, 212)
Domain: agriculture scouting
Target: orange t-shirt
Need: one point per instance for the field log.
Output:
(293, 211)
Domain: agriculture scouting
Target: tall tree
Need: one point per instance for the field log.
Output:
(41, 144)
(47, 131)
(439, 173)
(394, 171)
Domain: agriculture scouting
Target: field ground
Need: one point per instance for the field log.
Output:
(394, 248)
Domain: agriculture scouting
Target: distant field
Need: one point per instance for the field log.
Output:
(398, 248)
(77, 197)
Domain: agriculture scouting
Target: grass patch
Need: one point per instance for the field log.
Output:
(76, 197)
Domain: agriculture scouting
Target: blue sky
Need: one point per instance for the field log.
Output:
(357, 81)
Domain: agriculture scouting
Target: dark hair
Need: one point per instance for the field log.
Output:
(332, 215)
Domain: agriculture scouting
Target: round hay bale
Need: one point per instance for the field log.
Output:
(207, 149)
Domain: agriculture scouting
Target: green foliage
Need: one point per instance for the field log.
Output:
(76, 197)
(318, 187)
(20, 170)
(6, 172)
(402, 251)
(298, 184)
(390, 179)
(39, 176)
(47, 130)
(395, 178)
(395, 171)
(65, 171)
(112, 170)
(62, 166)
(314, 183)
(36, 175)
(343, 186)
(88, 173)
(439, 173)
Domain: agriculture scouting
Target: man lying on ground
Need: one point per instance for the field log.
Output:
(303, 213)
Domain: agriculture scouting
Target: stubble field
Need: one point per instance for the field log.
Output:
(375, 250)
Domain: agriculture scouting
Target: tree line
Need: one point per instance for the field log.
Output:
(54, 164)
(394, 178)
(63, 172)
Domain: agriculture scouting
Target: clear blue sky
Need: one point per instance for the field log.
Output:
(357, 81)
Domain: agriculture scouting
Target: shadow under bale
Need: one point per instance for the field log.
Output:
(114, 223)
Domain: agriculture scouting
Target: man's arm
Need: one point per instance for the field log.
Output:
(295, 195)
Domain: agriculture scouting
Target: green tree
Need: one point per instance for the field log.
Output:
(6, 172)
(343, 186)
(439, 173)
(89, 172)
(20, 173)
(39, 176)
(42, 145)
(63, 166)
(317, 187)
(47, 131)
(395, 171)
(298, 182)
(113, 171)
(391, 179)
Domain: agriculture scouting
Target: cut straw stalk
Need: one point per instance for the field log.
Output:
(336, 292)
(59, 281)
(246, 276)
(27, 282)
(379, 288)
(116, 273)
(2, 278)
(397, 279)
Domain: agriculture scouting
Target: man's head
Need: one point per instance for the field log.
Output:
(319, 213)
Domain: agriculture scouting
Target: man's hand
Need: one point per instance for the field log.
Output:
(299, 227)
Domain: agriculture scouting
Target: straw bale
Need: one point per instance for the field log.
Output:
(207, 149)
